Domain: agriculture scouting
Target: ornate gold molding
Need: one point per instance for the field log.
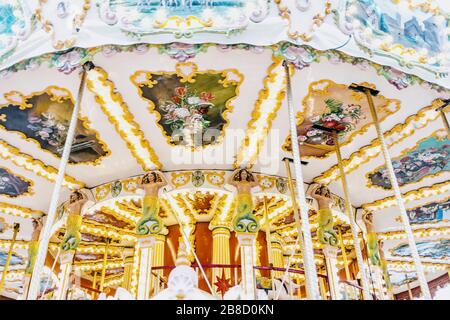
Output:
(105, 95)
(36, 166)
(265, 110)
(364, 154)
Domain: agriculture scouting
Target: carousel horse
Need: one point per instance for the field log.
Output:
(264, 290)
(121, 294)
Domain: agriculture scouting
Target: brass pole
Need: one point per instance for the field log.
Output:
(397, 192)
(8, 259)
(94, 285)
(344, 255)
(349, 211)
(268, 241)
(105, 256)
(411, 297)
(294, 203)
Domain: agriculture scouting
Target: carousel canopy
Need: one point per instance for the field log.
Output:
(198, 88)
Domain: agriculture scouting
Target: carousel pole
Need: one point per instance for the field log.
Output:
(105, 257)
(312, 286)
(444, 117)
(348, 208)
(51, 271)
(46, 232)
(398, 196)
(8, 259)
(268, 241)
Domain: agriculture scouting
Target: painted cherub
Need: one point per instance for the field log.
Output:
(325, 231)
(244, 181)
(151, 223)
(73, 236)
(372, 240)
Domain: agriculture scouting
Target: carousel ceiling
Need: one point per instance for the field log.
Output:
(155, 65)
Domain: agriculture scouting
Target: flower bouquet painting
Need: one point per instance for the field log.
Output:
(333, 106)
(190, 114)
(339, 117)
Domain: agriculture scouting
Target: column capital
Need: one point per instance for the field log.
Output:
(330, 251)
(147, 241)
(221, 230)
(246, 239)
(67, 256)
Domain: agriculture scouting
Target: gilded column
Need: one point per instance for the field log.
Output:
(128, 260)
(221, 252)
(70, 242)
(277, 256)
(148, 228)
(33, 247)
(158, 260)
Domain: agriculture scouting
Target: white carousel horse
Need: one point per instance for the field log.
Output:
(121, 294)
(236, 292)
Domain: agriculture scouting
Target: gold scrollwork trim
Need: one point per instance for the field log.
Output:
(102, 78)
(219, 174)
(175, 176)
(59, 95)
(418, 194)
(36, 166)
(275, 70)
(439, 135)
(317, 21)
(19, 211)
(364, 154)
(190, 78)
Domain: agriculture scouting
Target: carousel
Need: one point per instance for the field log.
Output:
(233, 149)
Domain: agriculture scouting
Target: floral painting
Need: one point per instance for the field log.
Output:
(432, 212)
(429, 157)
(190, 114)
(334, 107)
(44, 118)
(439, 249)
(11, 185)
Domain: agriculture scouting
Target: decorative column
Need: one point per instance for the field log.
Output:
(330, 254)
(246, 226)
(369, 92)
(127, 255)
(148, 228)
(33, 247)
(385, 272)
(248, 261)
(277, 257)
(158, 260)
(70, 242)
(221, 253)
